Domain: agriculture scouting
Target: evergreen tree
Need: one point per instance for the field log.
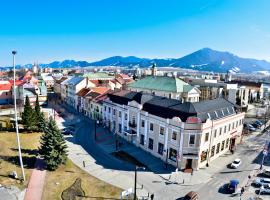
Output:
(28, 115)
(53, 146)
(42, 123)
(37, 107)
(37, 115)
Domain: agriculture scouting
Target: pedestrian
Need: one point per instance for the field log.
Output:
(152, 196)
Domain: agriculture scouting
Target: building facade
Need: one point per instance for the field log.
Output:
(185, 135)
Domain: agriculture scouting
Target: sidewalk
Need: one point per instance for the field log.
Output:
(34, 190)
(114, 177)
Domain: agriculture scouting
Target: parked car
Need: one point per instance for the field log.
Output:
(266, 173)
(236, 163)
(233, 185)
(67, 132)
(255, 125)
(258, 122)
(261, 181)
(250, 127)
(265, 189)
(191, 196)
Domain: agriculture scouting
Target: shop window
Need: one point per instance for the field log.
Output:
(150, 143)
(172, 154)
(222, 145)
(218, 146)
(160, 148)
(206, 137)
(213, 151)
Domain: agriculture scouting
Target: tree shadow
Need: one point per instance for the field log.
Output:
(28, 161)
(27, 151)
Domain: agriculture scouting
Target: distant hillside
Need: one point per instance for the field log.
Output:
(204, 59)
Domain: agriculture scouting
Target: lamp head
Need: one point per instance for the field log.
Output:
(14, 52)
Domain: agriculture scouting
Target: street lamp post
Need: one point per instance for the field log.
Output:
(16, 117)
(135, 182)
(96, 122)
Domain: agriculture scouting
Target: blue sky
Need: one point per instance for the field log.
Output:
(90, 30)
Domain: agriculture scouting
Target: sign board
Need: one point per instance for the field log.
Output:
(193, 120)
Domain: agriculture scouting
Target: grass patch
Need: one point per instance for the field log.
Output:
(66, 175)
(9, 160)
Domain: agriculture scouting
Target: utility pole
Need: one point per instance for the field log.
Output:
(16, 117)
(135, 182)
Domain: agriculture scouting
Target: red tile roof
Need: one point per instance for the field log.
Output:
(5, 87)
(83, 92)
(100, 90)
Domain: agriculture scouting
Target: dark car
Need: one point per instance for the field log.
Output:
(191, 196)
(255, 125)
(233, 185)
(258, 122)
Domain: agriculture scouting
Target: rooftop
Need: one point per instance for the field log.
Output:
(75, 80)
(161, 83)
(169, 108)
(98, 75)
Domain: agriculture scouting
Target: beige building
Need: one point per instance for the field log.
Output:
(185, 135)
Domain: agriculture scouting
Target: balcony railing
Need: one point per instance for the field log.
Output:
(132, 124)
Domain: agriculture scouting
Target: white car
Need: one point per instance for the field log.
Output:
(262, 181)
(236, 163)
(265, 189)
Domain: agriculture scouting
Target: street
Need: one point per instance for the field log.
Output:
(208, 182)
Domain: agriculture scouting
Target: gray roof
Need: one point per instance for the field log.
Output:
(75, 80)
(169, 108)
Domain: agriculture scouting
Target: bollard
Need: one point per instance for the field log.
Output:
(84, 164)
(183, 181)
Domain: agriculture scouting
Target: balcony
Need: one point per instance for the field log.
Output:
(132, 125)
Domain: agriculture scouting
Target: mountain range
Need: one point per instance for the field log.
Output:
(205, 59)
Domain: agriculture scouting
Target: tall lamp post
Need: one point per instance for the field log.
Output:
(96, 122)
(16, 117)
(135, 182)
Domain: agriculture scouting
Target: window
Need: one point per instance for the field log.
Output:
(151, 127)
(160, 148)
(161, 130)
(206, 137)
(142, 123)
(133, 120)
(225, 129)
(236, 124)
(191, 139)
(218, 146)
(215, 133)
(150, 143)
(227, 143)
(174, 135)
(91, 106)
(172, 154)
(109, 110)
(125, 116)
(229, 129)
(203, 156)
(220, 131)
(120, 114)
(114, 111)
(222, 145)
(142, 139)
(233, 125)
(119, 127)
(213, 151)
(105, 108)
